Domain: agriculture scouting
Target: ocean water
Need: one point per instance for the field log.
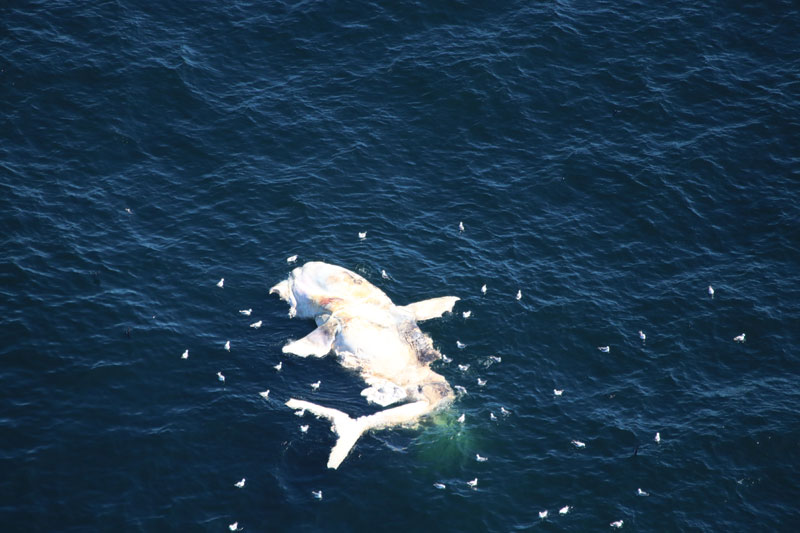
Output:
(610, 160)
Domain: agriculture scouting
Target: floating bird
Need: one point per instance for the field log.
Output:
(519, 295)
(558, 392)
(481, 382)
(462, 417)
(304, 429)
(246, 312)
(278, 366)
(463, 368)
(185, 355)
(543, 514)
(492, 416)
(460, 345)
(480, 458)
(256, 325)
(617, 524)
(228, 346)
(739, 338)
(642, 335)
(128, 210)
(604, 349)
(384, 275)
(564, 510)
(362, 235)
(315, 386)
(483, 289)
(446, 359)
(495, 358)
(317, 494)
(440, 486)
(711, 291)
(473, 483)
(239, 484)
(640, 492)
(264, 394)
(466, 314)
(220, 377)
(657, 438)
(291, 259)
(234, 527)
(504, 411)
(579, 444)
(221, 282)
(460, 389)
(300, 413)
(461, 227)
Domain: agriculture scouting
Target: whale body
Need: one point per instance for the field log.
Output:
(371, 335)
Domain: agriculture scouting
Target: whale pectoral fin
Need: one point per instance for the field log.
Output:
(317, 343)
(433, 308)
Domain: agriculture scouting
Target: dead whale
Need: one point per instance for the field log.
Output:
(373, 336)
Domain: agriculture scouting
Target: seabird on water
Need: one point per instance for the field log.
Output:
(220, 377)
(604, 349)
(473, 483)
(543, 514)
(256, 325)
(315, 386)
(264, 394)
(185, 355)
(239, 484)
(228, 346)
(740, 338)
(564, 510)
(362, 235)
(291, 259)
(221, 282)
(246, 312)
(617, 524)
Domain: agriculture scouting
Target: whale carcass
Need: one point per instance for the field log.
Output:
(373, 336)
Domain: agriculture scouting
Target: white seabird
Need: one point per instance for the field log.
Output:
(543, 514)
(480, 458)
(495, 358)
(579, 444)
(362, 235)
(246, 312)
(384, 275)
(315, 385)
(657, 438)
(446, 359)
(239, 484)
(492, 416)
(463, 368)
(739, 338)
(564, 510)
(642, 335)
(462, 417)
(473, 483)
(617, 524)
(481, 382)
(291, 259)
(228, 346)
(440, 486)
(504, 411)
(460, 345)
(604, 349)
(256, 325)
(317, 494)
(278, 366)
(128, 210)
(519, 295)
(221, 282)
(264, 394)
(460, 389)
(483, 289)
(461, 227)
(711, 291)
(185, 354)
(558, 392)
(234, 527)
(466, 314)
(640, 492)
(220, 377)
(304, 429)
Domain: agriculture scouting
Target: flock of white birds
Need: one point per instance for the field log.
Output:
(317, 494)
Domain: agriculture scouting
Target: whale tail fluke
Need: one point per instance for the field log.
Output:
(349, 429)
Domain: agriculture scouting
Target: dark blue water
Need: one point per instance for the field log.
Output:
(610, 160)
